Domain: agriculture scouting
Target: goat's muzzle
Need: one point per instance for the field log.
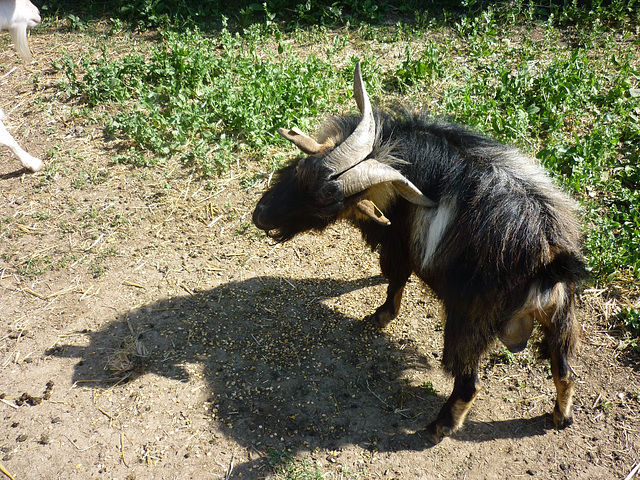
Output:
(259, 220)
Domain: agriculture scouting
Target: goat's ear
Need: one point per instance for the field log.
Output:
(305, 143)
(371, 210)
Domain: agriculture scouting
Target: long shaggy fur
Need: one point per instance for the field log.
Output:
(503, 242)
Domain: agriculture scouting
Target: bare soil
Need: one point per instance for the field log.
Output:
(148, 330)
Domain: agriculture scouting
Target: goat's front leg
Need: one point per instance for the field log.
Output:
(29, 161)
(454, 411)
(465, 341)
(395, 267)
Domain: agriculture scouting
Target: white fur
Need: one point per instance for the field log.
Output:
(17, 16)
(29, 161)
(434, 222)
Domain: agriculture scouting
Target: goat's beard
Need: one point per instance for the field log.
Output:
(279, 235)
(286, 231)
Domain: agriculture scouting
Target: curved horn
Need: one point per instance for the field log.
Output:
(371, 172)
(360, 143)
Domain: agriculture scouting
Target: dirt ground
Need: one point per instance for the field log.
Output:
(148, 330)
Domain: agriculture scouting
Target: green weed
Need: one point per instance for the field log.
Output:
(429, 66)
(629, 318)
(97, 267)
(505, 356)
(558, 79)
(429, 389)
(34, 266)
(286, 467)
(203, 101)
(606, 406)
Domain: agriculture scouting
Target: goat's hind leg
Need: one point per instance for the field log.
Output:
(561, 330)
(563, 380)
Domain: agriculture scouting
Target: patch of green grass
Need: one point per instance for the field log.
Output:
(429, 389)
(560, 79)
(629, 319)
(97, 267)
(430, 64)
(34, 266)
(90, 177)
(41, 216)
(66, 227)
(150, 14)
(285, 467)
(504, 356)
(37, 265)
(64, 260)
(205, 101)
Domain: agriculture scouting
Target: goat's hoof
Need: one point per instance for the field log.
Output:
(382, 318)
(33, 164)
(561, 421)
(435, 433)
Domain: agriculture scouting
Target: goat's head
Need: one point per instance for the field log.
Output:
(314, 191)
(17, 16)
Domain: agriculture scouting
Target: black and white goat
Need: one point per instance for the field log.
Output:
(17, 16)
(476, 220)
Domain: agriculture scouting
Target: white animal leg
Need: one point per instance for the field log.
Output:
(29, 161)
